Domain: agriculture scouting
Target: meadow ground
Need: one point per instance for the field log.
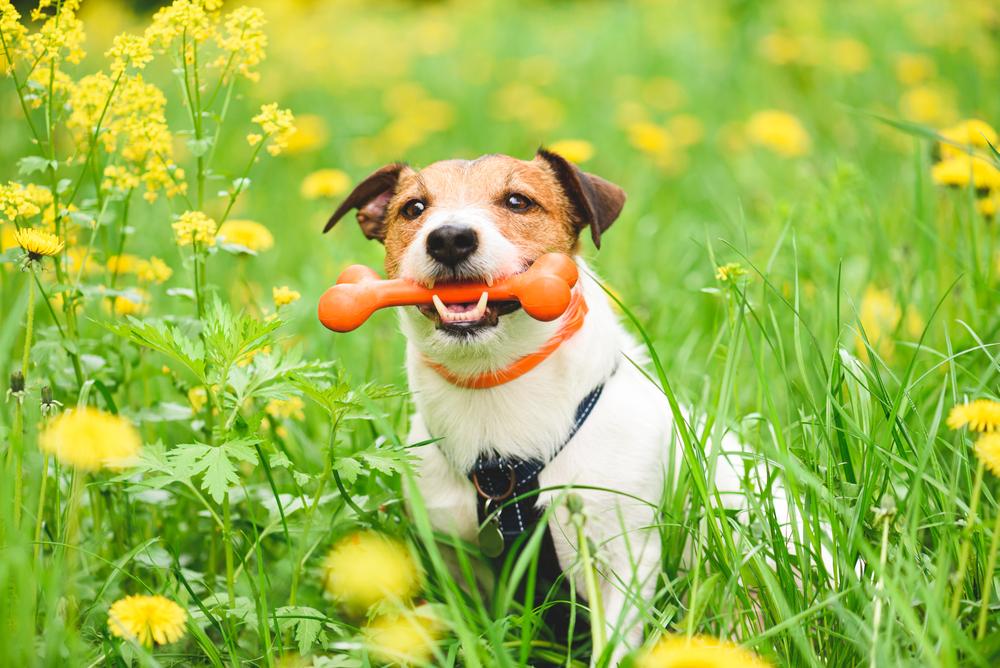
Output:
(811, 266)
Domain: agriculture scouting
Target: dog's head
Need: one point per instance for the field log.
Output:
(479, 220)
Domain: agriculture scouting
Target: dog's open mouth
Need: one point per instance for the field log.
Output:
(466, 318)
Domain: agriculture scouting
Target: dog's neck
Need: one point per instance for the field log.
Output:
(527, 417)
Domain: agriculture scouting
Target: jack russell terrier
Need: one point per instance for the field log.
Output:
(521, 410)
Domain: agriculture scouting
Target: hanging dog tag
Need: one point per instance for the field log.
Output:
(490, 536)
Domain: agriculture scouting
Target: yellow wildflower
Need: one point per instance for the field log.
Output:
(972, 133)
(982, 415)
(406, 637)
(780, 48)
(926, 104)
(89, 439)
(61, 37)
(13, 33)
(37, 243)
(965, 169)
(134, 302)
(283, 296)
(16, 202)
(651, 138)
(128, 51)
(8, 238)
(126, 263)
(367, 567)
(686, 129)
(198, 396)
(989, 205)
(525, 104)
(988, 451)
(880, 316)
(147, 620)
(243, 44)
(778, 131)
(325, 183)
(284, 409)
(246, 234)
(153, 270)
(254, 138)
(194, 227)
(80, 256)
(729, 272)
(574, 150)
(311, 134)
(849, 55)
(914, 68)
(278, 125)
(698, 652)
(191, 19)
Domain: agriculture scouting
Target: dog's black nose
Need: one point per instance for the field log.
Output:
(450, 244)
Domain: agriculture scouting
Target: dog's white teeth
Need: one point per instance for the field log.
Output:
(480, 309)
(429, 283)
(489, 281)
(441, 308)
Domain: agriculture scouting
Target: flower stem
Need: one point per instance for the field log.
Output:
(40, 513)
(228, 538)
(991, 564)
(963, 555)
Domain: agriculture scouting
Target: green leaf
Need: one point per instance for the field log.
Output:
(199, 147)
(220, 474)
(307, 622)
(348, 468)
(34, 163)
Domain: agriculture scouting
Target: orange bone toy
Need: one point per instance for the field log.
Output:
(544, 291)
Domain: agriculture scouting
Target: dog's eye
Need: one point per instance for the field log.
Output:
(517, 202)
(413, 209)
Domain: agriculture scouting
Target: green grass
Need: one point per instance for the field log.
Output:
(852, 419)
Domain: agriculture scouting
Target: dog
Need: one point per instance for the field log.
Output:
(482, 220)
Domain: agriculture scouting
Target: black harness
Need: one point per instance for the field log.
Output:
(506, 489)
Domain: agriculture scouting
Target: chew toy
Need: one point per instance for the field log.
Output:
(544, 291)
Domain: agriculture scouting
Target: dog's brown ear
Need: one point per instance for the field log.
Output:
(596, 203)
(370, 198)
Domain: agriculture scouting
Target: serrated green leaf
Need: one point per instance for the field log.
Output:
(34, 163)
(220, 474)
(348, 468)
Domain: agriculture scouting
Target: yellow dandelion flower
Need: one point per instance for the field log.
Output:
(153, 270)
(311, 134)
(403, 638)
(780, 48)
(194, 227)
(989, 205)
(988, 451)
(248, 235)
(574, 150)
(125, 263)
(284, 409)
(965, 169)
(147, 620)
(367, 567)
(134, 302)
(278, 125)
(914, 68)
(982, 415)
(927, 104)
(283, 296)
(778, 131)
(849, 55)
(89, 439)
(651, 138)
(698, 652)
(8, 238)
(879, 316)
(325, 183)
(80, 256)
(972, 133)
(686, 129)
(38, 243)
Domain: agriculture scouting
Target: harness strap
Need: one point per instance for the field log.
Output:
(497, 479)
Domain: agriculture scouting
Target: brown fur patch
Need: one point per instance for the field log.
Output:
(485, 183)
